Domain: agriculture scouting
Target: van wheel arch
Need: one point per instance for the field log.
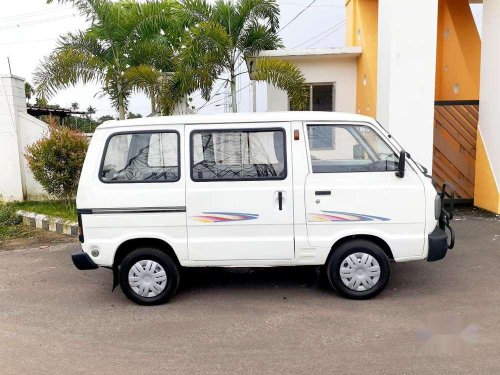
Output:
(376, 240)
(130, 245)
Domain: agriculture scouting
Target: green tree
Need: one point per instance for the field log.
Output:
(128, 47)
(75, 106)
(56, 160)
(223, 35)
(41, 102)
(104, 118)
(29, 91)
(134, 115)
(90, 111)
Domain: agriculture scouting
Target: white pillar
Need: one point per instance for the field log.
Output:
(489, 106)
(12, 101)
(407, 39)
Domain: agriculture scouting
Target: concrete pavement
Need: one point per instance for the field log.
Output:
(433, 318)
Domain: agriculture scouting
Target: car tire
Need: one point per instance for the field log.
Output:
(149, 276)
(358, 269)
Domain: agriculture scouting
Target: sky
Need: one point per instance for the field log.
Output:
(29, 30)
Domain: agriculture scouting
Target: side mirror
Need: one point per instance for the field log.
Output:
(402, 163)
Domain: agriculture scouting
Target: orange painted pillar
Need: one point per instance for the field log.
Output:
(458, 58)
(362, 30)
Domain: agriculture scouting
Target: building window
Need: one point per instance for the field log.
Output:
(221, 155)
(322, 95)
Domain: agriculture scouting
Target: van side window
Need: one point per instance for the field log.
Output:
(238, 155)
(141, 157)
(349, 148)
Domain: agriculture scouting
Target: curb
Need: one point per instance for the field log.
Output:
(49, 223)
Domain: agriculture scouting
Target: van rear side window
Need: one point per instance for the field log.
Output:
(141, 157)
(238, 155)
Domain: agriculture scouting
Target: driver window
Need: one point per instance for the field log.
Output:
(349, 148)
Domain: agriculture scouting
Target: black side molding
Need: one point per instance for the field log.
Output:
(82, 261)
(131, 210)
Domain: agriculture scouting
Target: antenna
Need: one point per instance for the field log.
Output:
(8, 63)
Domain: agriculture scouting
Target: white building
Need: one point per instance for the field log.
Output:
(330, 74)
(17, 130)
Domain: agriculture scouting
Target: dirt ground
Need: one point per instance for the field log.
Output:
(33, 237)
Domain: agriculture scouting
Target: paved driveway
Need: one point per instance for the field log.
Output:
(433, 318)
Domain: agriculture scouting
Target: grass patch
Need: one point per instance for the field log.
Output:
(63, 209)
(15, 231)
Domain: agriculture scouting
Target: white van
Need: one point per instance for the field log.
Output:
(254, 190)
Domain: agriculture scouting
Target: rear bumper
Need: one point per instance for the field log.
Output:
(438, 245)
(82, 261)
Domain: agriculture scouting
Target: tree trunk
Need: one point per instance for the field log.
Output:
(121, 101)
(153, 99)
(234, 105)
(121, 108)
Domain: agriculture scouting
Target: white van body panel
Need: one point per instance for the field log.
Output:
(301, 233)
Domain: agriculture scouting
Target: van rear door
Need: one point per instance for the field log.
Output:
(239, 193)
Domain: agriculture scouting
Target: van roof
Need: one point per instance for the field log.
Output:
(237, 118)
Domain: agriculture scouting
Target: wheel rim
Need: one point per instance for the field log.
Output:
(360, 271)
(147, 278)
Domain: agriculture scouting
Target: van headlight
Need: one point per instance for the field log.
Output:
(437, 207)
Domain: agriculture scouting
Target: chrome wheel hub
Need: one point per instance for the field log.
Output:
(147, 278)
(360, 271)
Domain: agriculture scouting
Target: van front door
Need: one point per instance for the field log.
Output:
(353, 189)
(239, 196)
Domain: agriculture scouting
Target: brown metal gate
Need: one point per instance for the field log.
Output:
(455, 132)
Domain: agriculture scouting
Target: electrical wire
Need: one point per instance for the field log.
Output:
(320, 34)
(36, 13)
(213, 96)
(36, 22)
(327, 35)
(297, 16)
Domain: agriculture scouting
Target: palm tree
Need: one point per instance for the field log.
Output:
(224, 35)
(75, 106)
(117, 50)
(28, 91)
(90, 111)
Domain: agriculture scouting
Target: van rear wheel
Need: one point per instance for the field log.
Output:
(358, 269)
(148, 276)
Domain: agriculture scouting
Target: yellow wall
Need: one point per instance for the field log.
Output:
(362, 30)
(486, 191)
(458, 52)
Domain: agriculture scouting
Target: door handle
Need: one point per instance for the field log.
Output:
(280, 200)
(323, 192)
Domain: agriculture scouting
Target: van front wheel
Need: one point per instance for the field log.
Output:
(148, 276)
(358, 269)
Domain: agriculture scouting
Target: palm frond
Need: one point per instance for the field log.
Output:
(195, 11)
(141, 78)
(153, 19)
(204, 56)
(257, 37)
(285, 76)
(66, 68)
(257, 10)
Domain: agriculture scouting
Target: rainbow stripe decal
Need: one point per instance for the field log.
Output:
(327, 216)
(224, 217)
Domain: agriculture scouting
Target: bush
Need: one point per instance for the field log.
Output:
(56, 160)
(8, 215)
